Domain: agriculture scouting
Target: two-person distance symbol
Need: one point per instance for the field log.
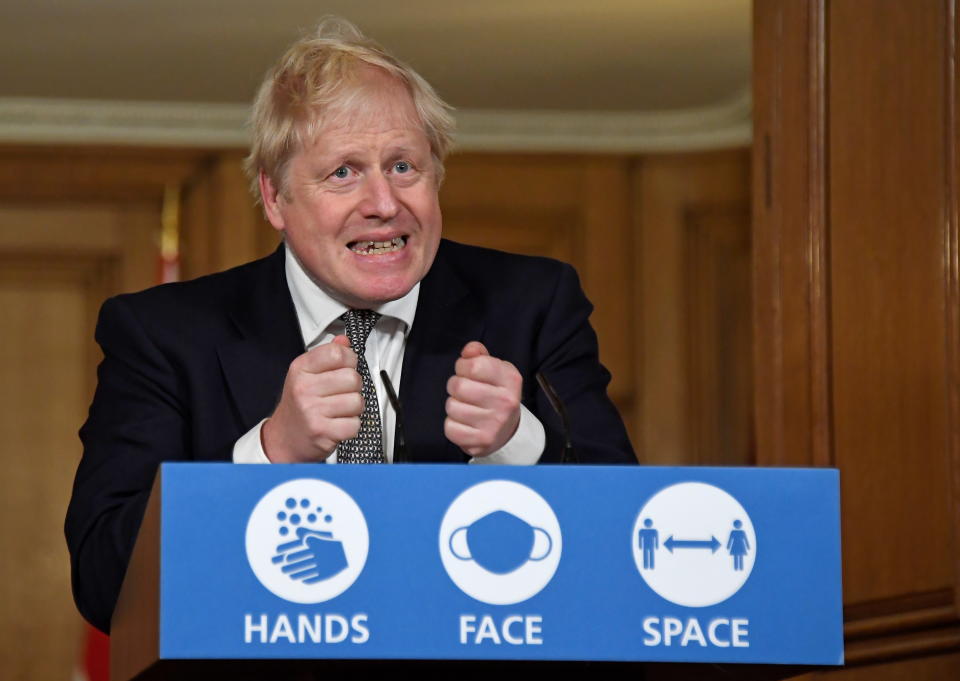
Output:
(648, 539)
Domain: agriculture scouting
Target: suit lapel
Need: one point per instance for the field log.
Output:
(447, 318)
(255, 364)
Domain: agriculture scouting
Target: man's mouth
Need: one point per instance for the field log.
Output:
(377, 247)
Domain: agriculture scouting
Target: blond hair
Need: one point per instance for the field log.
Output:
(319, 75)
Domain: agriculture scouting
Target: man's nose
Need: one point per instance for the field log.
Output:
(379, 198)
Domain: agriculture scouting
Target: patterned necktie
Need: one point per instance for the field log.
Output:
(367, 446)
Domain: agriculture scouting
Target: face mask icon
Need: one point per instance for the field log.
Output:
(500, 542)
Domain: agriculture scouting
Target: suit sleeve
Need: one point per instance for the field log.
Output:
(136, 420)
(568, 355)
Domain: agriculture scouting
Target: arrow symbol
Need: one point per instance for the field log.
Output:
(711, 544)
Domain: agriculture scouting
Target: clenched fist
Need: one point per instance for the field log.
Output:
(320, 405)
(483, 410)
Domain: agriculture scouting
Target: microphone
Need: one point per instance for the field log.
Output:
(568, 456)
(400, 446)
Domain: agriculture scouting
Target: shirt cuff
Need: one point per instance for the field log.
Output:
(525, 447)
(249, 448)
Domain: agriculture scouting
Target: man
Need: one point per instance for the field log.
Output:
(278, 360)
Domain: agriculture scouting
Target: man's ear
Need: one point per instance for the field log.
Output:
(270, 196)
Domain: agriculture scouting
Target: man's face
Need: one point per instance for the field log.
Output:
(360, 209)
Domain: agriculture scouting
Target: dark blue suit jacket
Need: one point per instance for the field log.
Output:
(188, 368)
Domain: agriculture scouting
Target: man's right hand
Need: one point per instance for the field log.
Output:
(320, 406)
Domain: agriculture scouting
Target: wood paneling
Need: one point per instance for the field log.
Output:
(719, 330)
(942, 668)
(57, 264)
(222, 227)
(886, 212)
(858, 304)
(91, 174)
(76, 226)
(43, 365)
(693, 363)
(789, 241)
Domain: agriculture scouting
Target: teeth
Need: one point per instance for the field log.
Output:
(378, 247)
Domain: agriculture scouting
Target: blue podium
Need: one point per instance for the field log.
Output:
(287, 564)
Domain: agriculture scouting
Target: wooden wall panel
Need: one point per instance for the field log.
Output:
(886, 212)
(44, 360)
(943, 668)
(693, 359)
(222, 226)
(719, 331)
(92, 174)
(58, 261)
(76, 225)
(858, 305)
(951, 253)
(789, 240)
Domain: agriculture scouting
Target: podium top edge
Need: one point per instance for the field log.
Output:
(492, 467)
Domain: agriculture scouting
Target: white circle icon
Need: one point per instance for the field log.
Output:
(307, 541)
(500, 542)
(694, 544)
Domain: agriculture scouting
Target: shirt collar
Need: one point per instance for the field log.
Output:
(317, 310)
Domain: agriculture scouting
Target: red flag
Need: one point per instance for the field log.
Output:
(95, 656)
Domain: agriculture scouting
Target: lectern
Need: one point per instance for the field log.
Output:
(289, 570)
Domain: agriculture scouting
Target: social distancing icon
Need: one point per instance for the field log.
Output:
(694, 544)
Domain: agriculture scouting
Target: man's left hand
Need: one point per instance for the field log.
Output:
(483, 410)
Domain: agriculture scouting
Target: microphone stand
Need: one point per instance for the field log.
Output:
(569, 455)
(400, 447)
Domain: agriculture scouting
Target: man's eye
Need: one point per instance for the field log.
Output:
(341, 173)
(401, 167)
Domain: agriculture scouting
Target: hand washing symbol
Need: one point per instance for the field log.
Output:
(314, 555)
(500, 542)
(307, 541)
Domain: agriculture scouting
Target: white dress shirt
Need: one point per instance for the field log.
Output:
(319, 317)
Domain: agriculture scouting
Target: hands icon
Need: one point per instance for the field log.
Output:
(312, 557)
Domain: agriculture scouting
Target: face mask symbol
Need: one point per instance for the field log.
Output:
(500, 542)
